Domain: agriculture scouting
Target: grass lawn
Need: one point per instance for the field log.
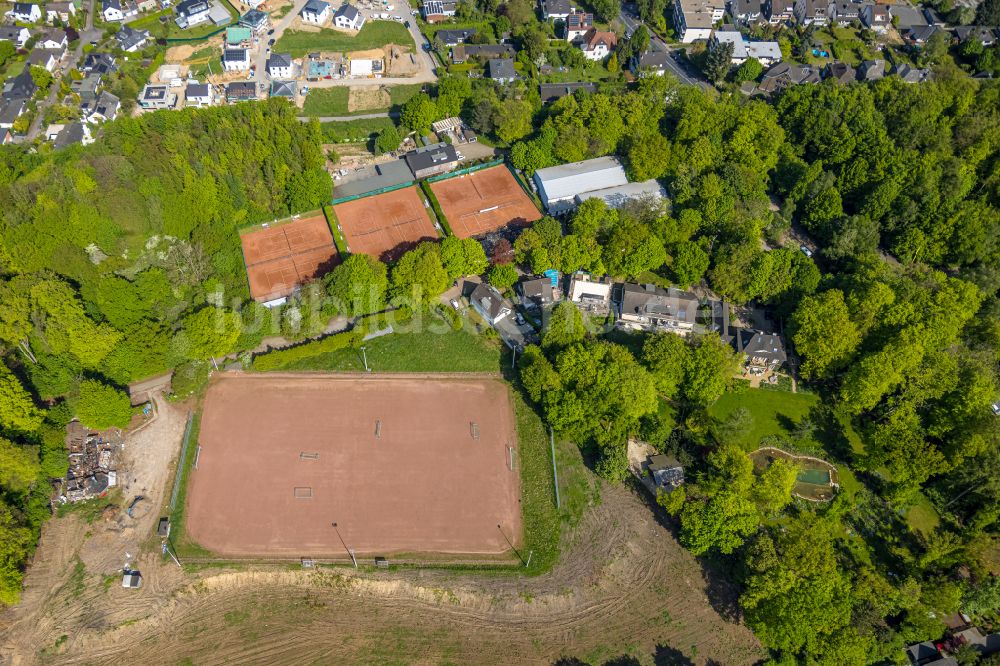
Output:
(327, 102)
(374, 35)
(179, 541)
(774, 412)
(421, 351)
(923, 517)
(354, 131)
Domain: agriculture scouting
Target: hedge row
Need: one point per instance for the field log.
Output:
(426, 187)
(275, 360)
(338, 238)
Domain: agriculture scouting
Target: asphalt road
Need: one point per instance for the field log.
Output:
(657, 45)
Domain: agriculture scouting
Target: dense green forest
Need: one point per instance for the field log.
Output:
(122, 259)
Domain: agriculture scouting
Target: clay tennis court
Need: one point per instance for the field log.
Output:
(385, 225)
(281, 257)
(484, 201)
(400, 463)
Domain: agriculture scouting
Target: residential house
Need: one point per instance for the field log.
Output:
(982, 34)
(578, 24)
(650, 63)
(73, 133)
(921, 35)
(501, 70)
(871, 70)
(199, 95)
(14, 34)
(286, 89)
(432, 160)
(59, 11)
(667, 473)
(103, 63)
(694, 19)
(812, 12)
(236, 60)
(876, 17)
(87, 87)
(47, 59)
(553, 10)
(768, 53)
(779, 11)
(761, 351)
(10, 111)
(192, 12)
(454, 37)
(783, 75)
(5, 137)
(118, 10)
(281, 66)
(489, 303)
(241, 91)
(465, 52)
(316, 12)
(105, 107)
(435, 11)
(536, 292)
(157, 96)
(256, 20)
(590, 295)
(21, 87)
(550, 92)
(651, 308)
(347, 17)
(53, 39)
(911, 74)
(25, 12)
(846, 12)
(132, 40)
(239, 37)
(746, 11)
(840, 72)
(598, 45)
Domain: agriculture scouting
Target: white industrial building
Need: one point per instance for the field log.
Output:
(619, 195)
(559, 186)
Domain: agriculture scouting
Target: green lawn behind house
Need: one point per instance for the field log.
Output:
(773, 412)
(374, 35)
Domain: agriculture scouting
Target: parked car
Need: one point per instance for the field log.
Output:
(270, 42)
(454, 304)
(519, 319)
(406, 23)
(806, 251)
(271, 31)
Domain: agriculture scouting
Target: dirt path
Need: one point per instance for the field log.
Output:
(624, 584)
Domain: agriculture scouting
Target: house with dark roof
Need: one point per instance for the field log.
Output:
(840, 72)
(47, 59)
(911, 74)
(652, 308)
(763, 351)
(103, 108)
(464, 52)
(650, 63)
(25, 12)
(21, 87)
(489, 303)
(845, 12)
(280, 66)
(779, 11)
(667, 473)
(871, 70)
(236, 60)
(876, 17)
(103, 63)
(809, 12)
(191, 12)
(53, 39)
(347, 17)
(783, 75)
(536, 292)
(73, 133)
(118, 10)
(919, 36)
(578, 24)
(550, 92)
(557, 9)
(453, 37)
(432, 160)
(286, 89)
(14, 34)
(316, 12)
(130, 39)
(157, 97)
(199, 95)
(906, 16)
(501, 70)
(746, 11)
(241, 91)
(982, 34)
(254, 19)
(10, 111)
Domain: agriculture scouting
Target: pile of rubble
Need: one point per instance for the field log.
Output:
(91, 463)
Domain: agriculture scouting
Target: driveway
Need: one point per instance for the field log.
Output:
(260, 58)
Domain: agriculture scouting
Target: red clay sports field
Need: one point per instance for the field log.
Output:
(402, 464)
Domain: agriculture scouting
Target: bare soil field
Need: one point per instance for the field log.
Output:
(363, 98)
(623, 585)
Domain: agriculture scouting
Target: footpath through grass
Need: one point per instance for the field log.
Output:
(374, 35)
